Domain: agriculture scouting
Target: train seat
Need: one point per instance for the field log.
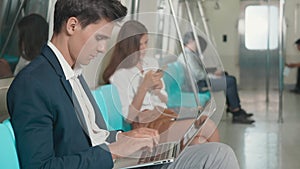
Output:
(174, 77)
(107, 98)
(8, 155)
(101, 104)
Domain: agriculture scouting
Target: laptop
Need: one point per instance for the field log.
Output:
(211, 70)
(166, 152)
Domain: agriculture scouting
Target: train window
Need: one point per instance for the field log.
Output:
(257, 31)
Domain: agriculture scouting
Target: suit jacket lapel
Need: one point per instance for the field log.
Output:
(50, 56)
(79, 114)
(99, 118)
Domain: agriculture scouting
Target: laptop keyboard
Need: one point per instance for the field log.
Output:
(159, 152)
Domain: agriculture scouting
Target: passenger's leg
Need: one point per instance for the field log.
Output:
(208, 133)
(233, 101)
(298, 80)
(208, 155)
(232, 95)
(297, 86)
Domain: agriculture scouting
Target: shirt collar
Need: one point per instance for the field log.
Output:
(67, 69)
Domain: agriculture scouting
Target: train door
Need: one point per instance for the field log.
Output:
(258, 34)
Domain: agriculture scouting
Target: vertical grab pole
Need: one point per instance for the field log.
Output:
(193, 29)
(184, 56)
(202, 15)
(281, 60)
(268, 55)
(201, 11)
(135, 8)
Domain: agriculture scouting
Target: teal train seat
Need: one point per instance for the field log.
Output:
(174, 77)
(12, 60)
(108, 100)
(101, 104)
(8, 152)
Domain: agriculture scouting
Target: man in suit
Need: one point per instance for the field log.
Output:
(54, 116)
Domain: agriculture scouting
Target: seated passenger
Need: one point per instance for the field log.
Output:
(33, 34)
(296, 65)
(140, 85)
(232, 97)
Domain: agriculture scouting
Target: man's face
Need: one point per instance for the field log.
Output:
(193, 46)
(88, 42)
(298, 47)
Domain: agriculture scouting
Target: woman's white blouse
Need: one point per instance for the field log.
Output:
(127, 82)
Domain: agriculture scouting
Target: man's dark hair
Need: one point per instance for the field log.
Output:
(190, 36)
(87, 11)
(297, 42)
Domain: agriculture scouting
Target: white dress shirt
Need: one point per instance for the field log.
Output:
(97, 135)
(128, 81)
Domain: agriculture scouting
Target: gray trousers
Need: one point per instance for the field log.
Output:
(204, 156)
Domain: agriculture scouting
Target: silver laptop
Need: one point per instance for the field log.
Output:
(211, 70)
(165, 152)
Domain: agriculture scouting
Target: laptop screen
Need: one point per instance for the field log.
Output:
(196, 126)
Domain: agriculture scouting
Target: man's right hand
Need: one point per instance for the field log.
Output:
(129, 142)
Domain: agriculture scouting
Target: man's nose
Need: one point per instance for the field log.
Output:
(101, 48)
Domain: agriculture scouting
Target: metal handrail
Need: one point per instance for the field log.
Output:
(205, 25)
(184, 54)
(281, 63)
(135, 8)
(268, 54)
(193, 29)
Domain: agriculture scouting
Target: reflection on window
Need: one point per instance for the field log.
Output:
(256, 27)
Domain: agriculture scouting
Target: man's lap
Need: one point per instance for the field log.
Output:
(207, 155)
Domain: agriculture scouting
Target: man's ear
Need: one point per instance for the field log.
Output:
(71, 25)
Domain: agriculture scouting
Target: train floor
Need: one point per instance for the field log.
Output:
(266, 144)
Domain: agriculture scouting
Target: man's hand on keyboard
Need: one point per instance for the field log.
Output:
(129, 142)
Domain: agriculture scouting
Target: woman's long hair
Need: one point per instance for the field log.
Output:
(128, 44)
(33, 34)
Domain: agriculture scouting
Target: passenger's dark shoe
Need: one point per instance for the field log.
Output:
(296, 90)
(241, 111)
(242, 119)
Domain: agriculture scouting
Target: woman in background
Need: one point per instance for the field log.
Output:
(33, 34)
(140, 85)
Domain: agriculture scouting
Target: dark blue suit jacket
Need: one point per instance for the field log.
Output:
(48, 122)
